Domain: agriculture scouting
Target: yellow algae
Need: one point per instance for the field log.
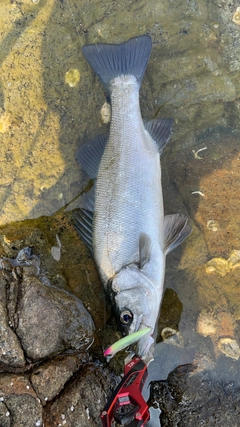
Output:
(236, 16)
(218, 265)
(72, 77)
(206, 324)
(4, 123)
(223, 266)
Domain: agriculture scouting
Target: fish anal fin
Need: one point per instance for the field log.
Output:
(82, 220)
(176, 230)
(145, 245)
(89, 155)
(160, 131)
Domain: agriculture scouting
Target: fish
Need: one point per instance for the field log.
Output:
(125, 342)
(123, 221)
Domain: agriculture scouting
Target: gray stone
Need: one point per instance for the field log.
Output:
(5, 420)
(23, 406)
(51, 320)
(81, 402)
(11, 353)
(49, 379)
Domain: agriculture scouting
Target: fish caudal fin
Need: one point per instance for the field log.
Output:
(176, 230)
(112, 60)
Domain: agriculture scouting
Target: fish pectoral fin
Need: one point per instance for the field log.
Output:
(176, 230)
(89, 155)
(160, 131)
(145, 245)
(82, 220)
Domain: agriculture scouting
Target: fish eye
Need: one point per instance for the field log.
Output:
(126, 317)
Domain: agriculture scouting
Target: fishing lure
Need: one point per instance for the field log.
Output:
(125, 342)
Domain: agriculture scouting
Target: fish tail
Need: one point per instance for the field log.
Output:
(112, 60)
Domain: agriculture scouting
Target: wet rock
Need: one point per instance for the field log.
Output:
(49, 378)
(81, 402)
(11, 353)
(37, 320)
(189, 399)
(51, 320)
(4, 415)
(22, 404)
(221, 328)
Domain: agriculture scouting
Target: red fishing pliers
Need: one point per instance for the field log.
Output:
(127, 406)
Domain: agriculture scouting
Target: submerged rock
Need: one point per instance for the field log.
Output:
(191, 398)
(11, 352)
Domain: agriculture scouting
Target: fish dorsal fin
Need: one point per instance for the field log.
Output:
(160, 131)
(90, 153)
(82, 220)
(145, 245)
(176, 230)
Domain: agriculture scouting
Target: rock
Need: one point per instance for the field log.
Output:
(51, 320)
(4, 415)
(23, 406)
(37, 320)
(11, 353)
(189, 398)
(81, 402)
(49, 379)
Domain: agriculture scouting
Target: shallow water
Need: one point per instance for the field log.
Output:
(50, 102)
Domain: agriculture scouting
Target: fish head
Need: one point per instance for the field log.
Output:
(136, 305)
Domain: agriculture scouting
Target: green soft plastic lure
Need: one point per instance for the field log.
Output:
(125, 342)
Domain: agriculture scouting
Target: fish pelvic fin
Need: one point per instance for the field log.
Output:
(160, 131)
(176, 230)
(112, 60)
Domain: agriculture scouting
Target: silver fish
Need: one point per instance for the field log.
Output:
(123, 221)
